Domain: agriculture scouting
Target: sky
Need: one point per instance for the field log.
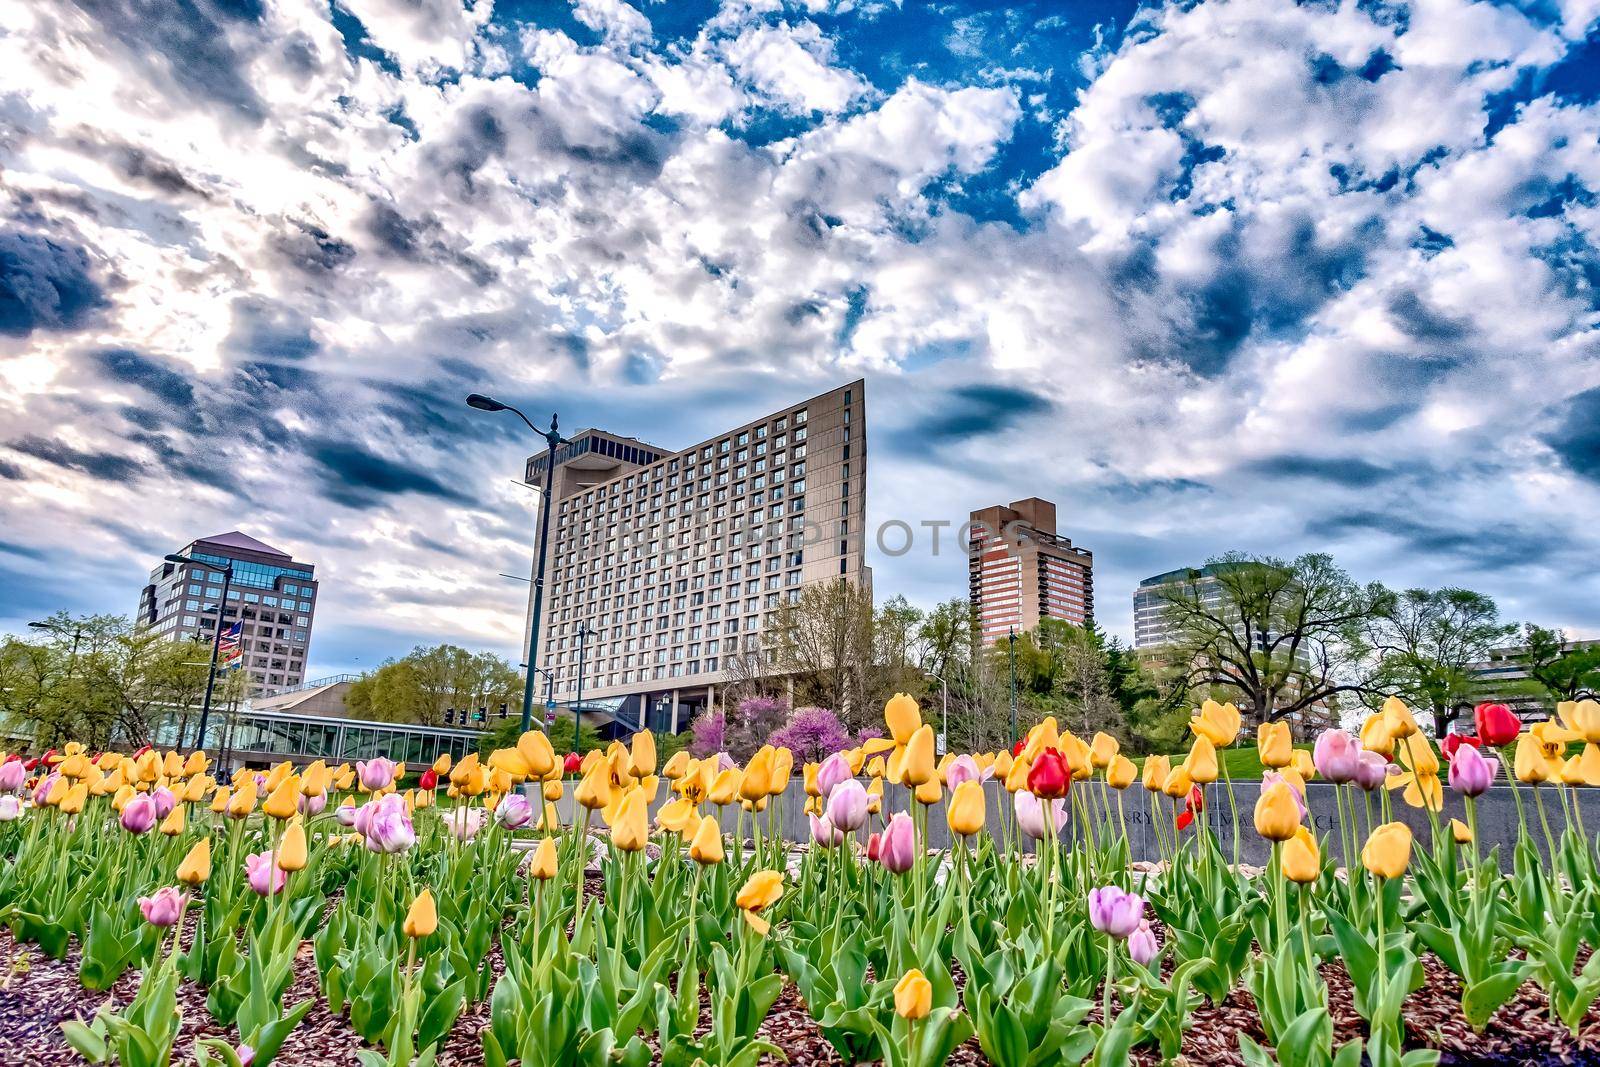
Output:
(1237, 274)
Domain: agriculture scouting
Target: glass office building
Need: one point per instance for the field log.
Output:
(256, 738)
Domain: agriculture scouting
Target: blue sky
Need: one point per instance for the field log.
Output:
(1244, 274)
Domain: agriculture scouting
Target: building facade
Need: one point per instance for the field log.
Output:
(1150, 626)
(1020, 570)
(272, 596)
(663, 566)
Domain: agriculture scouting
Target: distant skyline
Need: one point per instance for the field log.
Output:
(1235, 274)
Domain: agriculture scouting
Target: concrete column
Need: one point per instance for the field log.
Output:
(674, 711)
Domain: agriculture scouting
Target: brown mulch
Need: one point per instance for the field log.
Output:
(37, 994)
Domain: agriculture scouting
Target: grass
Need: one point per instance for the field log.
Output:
(1240, 761)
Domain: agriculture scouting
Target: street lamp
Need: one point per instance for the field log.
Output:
(944, 735)
(552, 441)
(61, 631)
(1012, 635)
(216, 642)
(577, 705)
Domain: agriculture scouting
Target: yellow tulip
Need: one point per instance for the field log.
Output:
(1300, 860)
(1388, 851)
(677, 765)
(543, 863)
(1202, 761)
(902, 716)
(442, 764)
(75, 799)
(757, 775)
(856, 757)
(219, 800)
(284, 799)
(1530, 765)
(1277, 812)
(196, 788)
(1156, 769)
(172, 825)
(1178, 783)
(292, 849)
(1017, 779)
(1582, 717)
(1103, 750)
(1001, 765)
(1375, 736)
(965, 812)
(876, 767)
(630, 828)
(536, 751)
(808, 777)
(1304, 765)
(1397, 718)
(1121, 773)
(725, 788)
(511, 761)
(1584, 769)
(913, 996)
(243, 801)
(928, 792)
(57, 792)
(706, 847)
(917, 767)
(675, 815)
(423, 918)
(1415, 753)
(1421, 790)
(196, 866)
(642, 754)
(1460, 831)
(759, 892)
(1274, 744)
(594, 791)
(1217, 723)
(782, 771)
(277, 775)
(552, 791)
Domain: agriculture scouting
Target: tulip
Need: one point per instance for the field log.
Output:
(913, 996)
(631, 828)
(1336, 754)
(1397, 719)
(1156, 769)
(594, 791)
(464, 823)
(1103, 750)
(543, 863)
(139, 814)
(642, 754)
(824, 833)
(1115, 911)
(965, 812)
(1076, 754)
(1178, 783)
(760, 891)
(375, 774)
(1421, 789)
(917, 763)
(1371, 769)
(292, 849)
(385, 825)
(1048, 777)
(1278, 811)
(1031, 815)
(1460, 831)
(264, 877)
(1142, 945)
(514, 812)
(1388, 851)
(757, 780)
(903, 717)
(1274, 744)
(899, 846)
(1582, 718)
(345, 814)
(929, 792)
(164, 801)
(165, 907)
(1472, 773)
(423, 917)
(284, 799)
(835, 771)
(10, 808)
(706, 847)
(172, 825)
(196, 866)
(1300, 861)
(847, 806)
(77, 796)
(1375, 736)
(1217, 723)
(1121, 773)
(13, 776)
(1453, 742)
(1202, 761)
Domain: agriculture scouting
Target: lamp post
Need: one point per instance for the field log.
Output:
(216, 642)
(577, 705)
(1012, 636)
(552, 439)
(944, 734)
(61, 631)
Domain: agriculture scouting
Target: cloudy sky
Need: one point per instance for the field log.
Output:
(1234, 274)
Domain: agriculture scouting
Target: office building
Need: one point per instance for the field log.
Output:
(272, 596)
(1020, 570)
(666, 564)
(1151, 628)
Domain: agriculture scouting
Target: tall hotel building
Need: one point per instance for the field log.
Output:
(272, 595)
(666, 564)
(1021, 570)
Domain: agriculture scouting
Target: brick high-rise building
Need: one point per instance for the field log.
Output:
(1020, 570)
(664, 564)
(272, 596)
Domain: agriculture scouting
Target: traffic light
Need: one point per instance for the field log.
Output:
(483, 713)
(504, 709)
(449, 716)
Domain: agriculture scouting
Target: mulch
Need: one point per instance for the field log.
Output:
(37, 994)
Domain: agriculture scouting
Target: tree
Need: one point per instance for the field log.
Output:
(1286, 637)
(429, 680)
(812, 734)
(823, 641)
(1565, 670)
(1427, 641)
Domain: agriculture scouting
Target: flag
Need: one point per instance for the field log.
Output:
(230, 649)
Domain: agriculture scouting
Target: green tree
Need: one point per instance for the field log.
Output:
(1427, 640)
(421, 685)
(1562, 668)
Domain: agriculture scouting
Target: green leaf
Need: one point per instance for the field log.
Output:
(1485, 996)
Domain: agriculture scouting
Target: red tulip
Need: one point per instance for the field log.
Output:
(1016, 749)
(572, 764)
(429, 780)
(874, 847)
(1455, 741)
(1185, 819)
(1497, 724)
(1049, 776)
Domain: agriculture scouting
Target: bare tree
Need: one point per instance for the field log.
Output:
(1427, 641)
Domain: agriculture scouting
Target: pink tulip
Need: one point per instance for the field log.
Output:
(139, 815)
(375, 774)
(1336, 756)
(514, 812)
(345, 813)
(385, 824)
(13, 776)
(964, 769)
(899, 848)
(264, 876)
(1142, 945)
(464, 823)
(1115, 911)
(41, 791)
(10, 808)
(164, 801)
(1471, 772)
(1030, 814)
(1371, 769)
(835, 770)
(847, 806)
(164, 908)
(824, 833)
(311, 805)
